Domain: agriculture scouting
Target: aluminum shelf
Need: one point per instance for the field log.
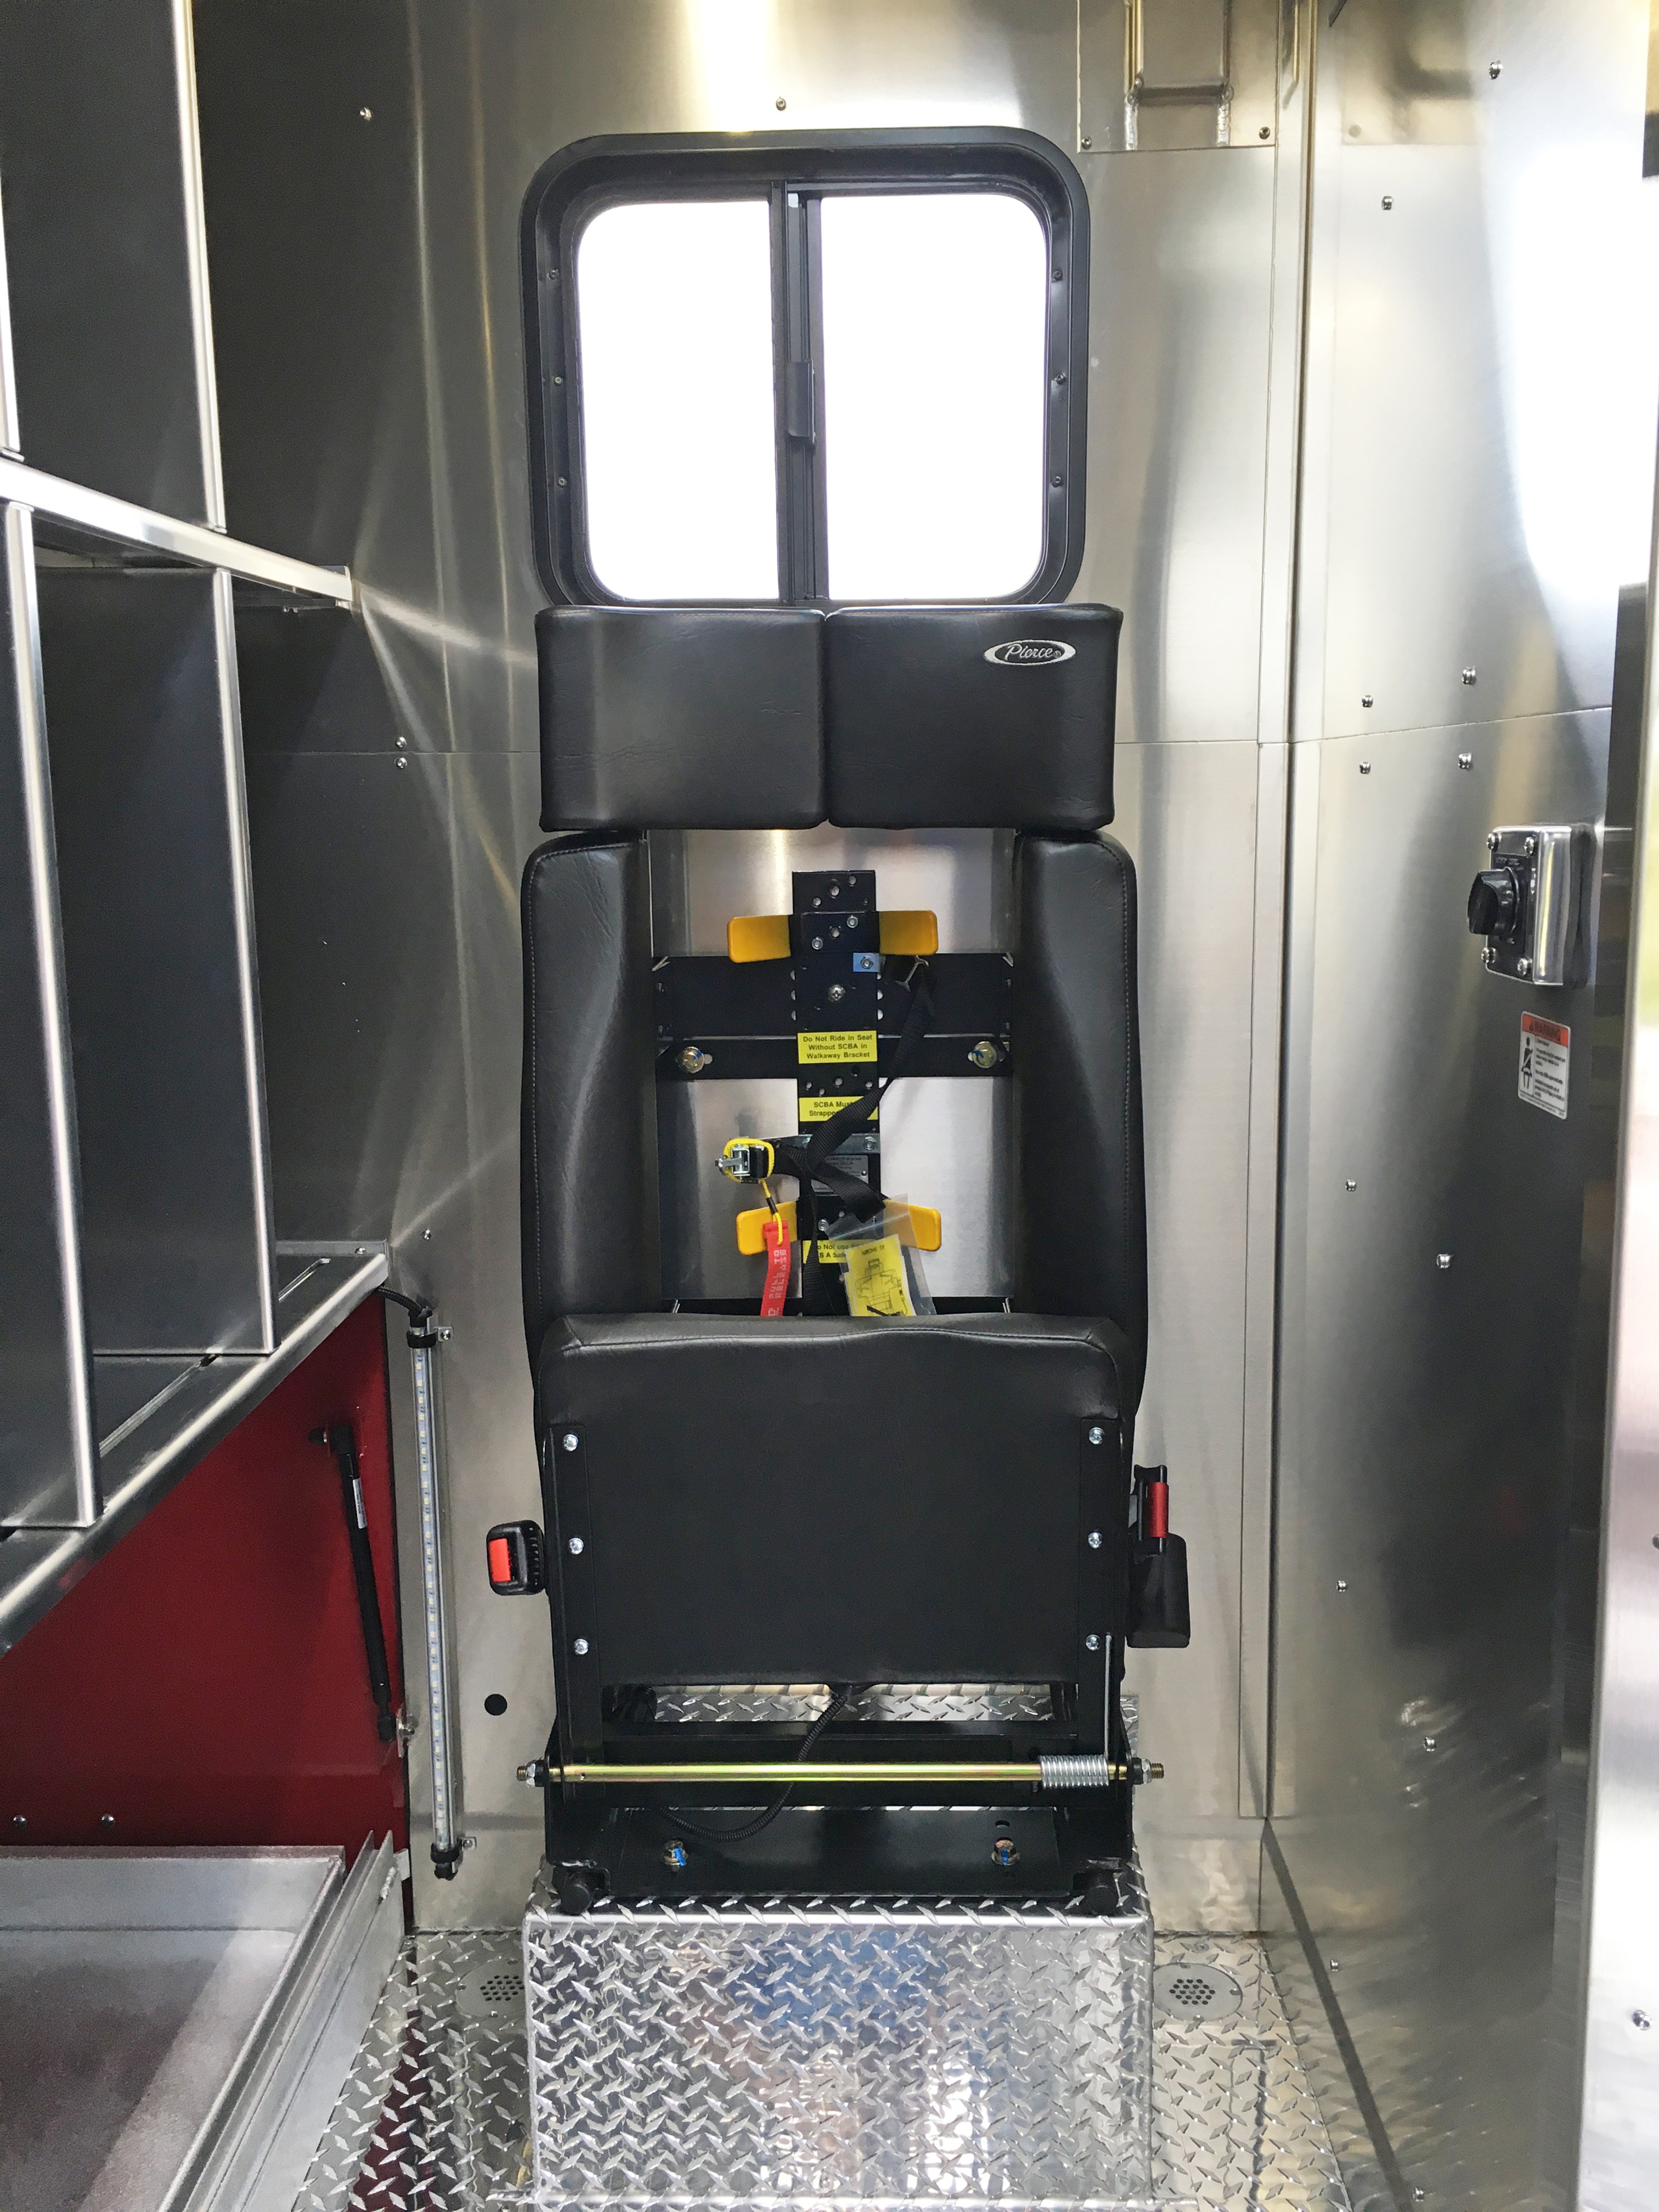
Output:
(159, 1416)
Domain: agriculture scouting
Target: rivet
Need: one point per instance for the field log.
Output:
(1056, 482)
(1388, 202)
(780, 103)
(1091, 1643)
(1351, 1184)
(403, 763)
(1096, 1436)
(1365, 699)
(401, 741)
(1494, 69)
(20, 1819)
(1056, 276)
(558, 379)
(1340, 1583)
(1365, 768)
(1094, 1540)
(106, 1819)
(568, 1440)
(1429, 1742)
(580, 1647)
(1640, 2020)
(1469, 675)
(1466, 760)
(817, 942)
(1085, 143)
(1443, 1261)
(1334, 1965)
(564, 481)
(576, 1548)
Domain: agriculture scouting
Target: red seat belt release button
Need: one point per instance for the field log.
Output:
(775, 1235)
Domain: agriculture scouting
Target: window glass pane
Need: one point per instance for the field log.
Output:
(935, 312)
(674, 315)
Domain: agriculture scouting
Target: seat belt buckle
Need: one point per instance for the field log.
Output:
(515, 1559)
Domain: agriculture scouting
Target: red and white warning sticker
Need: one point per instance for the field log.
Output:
(1545, 1050)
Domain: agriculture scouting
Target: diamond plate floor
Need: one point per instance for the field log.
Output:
(434, 2117)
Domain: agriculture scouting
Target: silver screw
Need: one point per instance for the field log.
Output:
(563, 482)
(1523, 967)
(1490, 958)
(1094, 1540)
(1341, 1584)
(780, 104)
(1091, 1643)
(1388, 201)
(106, 1819)
(1366, 700)
(675, 1855)
(20, 1819)
(1443, 1261)
(1365, 768)
(580, 1647)
(401, 741)
(837, 992)
(367, 114)
(1085, 143)
(1096, 1436)
(1004, 1853)
(693, 1059)
(1266, 132)
(426, 1236)
(1334, 1965)
(1350, 1184)
(1494, 69)
(984, 1054)
(817, 944)
(568, 1440)
(1529, 846)
(1492, 841)
(403, 763)
(1466, 760)
(1429, 1742)
(577, 1547)
(1469, 676)
(1640, 2020)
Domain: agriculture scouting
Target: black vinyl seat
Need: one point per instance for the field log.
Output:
(733, 1499)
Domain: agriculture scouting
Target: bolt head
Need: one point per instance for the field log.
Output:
(1466, 760)
(838, 992)
(1365, 768)
(1494, 69)
(1492, 841)
(1094, 1540)
(1266, 132)
(984, 1054)
(1366, 700)
(1085, 143)
(1091, 1643)
(1056, 482)
(1640, 2020)
(1429, 1742)
(568, 1440)
(1523, 967)
(676, 1855)
(1096, 1436)
(1004, 1852)
(1340, 1583)
(781, 103)
(1443, 1261)
(1334, 1965)
(576, 1548)
(20, 1819)
(106, 1819)
(580, 1647)
(1470, 675)
(1350, 1184)
(1388, 200)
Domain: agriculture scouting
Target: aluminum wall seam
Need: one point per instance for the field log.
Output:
(9, 433)
(36, 778)
(246, 957)
(196, 257)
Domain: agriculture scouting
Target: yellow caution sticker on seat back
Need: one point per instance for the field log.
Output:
(817, 1046)
(876, 1284)
(825, 1110)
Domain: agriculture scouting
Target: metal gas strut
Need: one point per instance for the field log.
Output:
(1051, 1771)
(342, 1441)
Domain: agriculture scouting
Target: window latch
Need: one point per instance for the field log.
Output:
(801, 402)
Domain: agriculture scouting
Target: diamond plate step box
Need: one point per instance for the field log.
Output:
(963, 2054)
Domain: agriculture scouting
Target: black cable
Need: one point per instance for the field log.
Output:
(840, 1696)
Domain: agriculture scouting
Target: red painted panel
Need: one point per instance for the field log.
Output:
(206, 1683)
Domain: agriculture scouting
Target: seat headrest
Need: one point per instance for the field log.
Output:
(778, 718)
(970, 718)
(681, 717)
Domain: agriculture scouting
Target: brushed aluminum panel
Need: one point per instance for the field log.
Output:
(162, 997)
(1422, 1473)
(1155, 75)
(1489, 273)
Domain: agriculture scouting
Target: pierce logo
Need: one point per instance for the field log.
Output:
(1030, 652)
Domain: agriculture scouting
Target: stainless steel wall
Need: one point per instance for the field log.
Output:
(1480, 399)
(365, 166)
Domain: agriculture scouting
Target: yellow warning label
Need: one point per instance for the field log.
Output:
(877, 1285)
(831, 1253)
(825, 1110)
(819, 1045)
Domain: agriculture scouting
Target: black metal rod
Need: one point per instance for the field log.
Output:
(342, 1441)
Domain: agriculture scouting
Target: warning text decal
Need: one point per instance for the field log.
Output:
(1545, 1048)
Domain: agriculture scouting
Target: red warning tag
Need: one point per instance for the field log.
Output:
(775, 1235)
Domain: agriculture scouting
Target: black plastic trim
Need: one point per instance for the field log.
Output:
(593, 173)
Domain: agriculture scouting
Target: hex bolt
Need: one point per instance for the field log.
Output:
(837, 992)
(580, 1647)
(1094, 1540)
(403, 763)
(577, 1547)
(1490, 958)
(568, 1440)
(1096, 1436)
(367, 114)
(1443, 1261)
(1004, 1852)
(676, 1855)
(1091, 1643)
(984, 1054)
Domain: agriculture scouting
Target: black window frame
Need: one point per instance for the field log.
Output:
(794, 171)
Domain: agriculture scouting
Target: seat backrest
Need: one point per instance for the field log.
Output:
(896, 719)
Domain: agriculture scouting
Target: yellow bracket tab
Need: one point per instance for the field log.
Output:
(927, 1227)
(757, 937)
(915, 933)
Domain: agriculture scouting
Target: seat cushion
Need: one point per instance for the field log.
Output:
(834, 1500)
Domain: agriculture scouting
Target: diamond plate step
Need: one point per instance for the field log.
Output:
(960, 2054)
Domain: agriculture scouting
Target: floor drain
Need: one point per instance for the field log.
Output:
(1189, 1991)
(493, 1995)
